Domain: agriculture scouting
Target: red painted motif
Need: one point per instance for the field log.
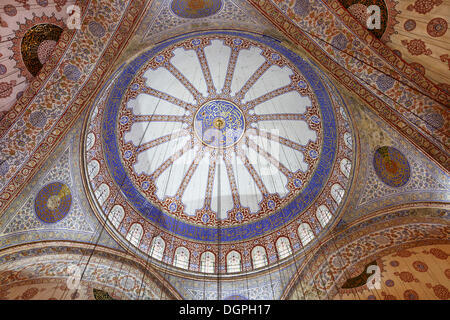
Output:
(446, 58)
(424, 6)
(416, 47)
(406, 276)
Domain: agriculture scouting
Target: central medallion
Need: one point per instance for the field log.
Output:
(219, 123)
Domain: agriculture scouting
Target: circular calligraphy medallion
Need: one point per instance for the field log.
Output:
(391, 166)
(53, 202)
(219, 124)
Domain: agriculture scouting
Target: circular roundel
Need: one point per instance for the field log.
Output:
(38, 44)
(10, 10)
(216, 129)
(195, 8)
(219, 123)
(409, 25)
(53, 202)
(391, 166)
(437, 27)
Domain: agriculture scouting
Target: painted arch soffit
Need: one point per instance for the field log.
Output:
(108, 269)
(407, 274)
(38, 121)
(323, 273)
(416, 31)
(29, 33)
(301, 24)
(389, 51)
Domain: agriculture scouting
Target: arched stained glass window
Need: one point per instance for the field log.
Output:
(305, 233)
(90, 140)
(116, 215)
(181, 258)
(283, 247)
(343, 113)
(157, 248)
(259, 257)
(337, 192)
(348, 140)
(233, 262)
(323, 215)
(346, 167)
(93, 168)
(207, 262)
(102, 193)
(135, 234)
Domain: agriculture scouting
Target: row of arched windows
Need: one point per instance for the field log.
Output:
(233, 258)
(208, 259)
(323, 214)
(134, 235)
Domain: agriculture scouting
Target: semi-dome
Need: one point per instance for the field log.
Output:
(218, 152)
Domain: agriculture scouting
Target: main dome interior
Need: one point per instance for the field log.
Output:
(227, 142)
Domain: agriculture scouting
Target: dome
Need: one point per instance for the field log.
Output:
(218, 152)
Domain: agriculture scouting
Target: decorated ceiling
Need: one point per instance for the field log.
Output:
(416, 31)
(279, 146)
(29, 32)
(409, 274)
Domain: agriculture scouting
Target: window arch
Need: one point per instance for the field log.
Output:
(343, 113)
(116, 215)
(102, 193)
(259, 257)
(283, 247)
(135, 234)
(157, 248)
(337, 192)
(233, 262)
(93, 168)
(348, 140)
(207, 262)
(94, 113)
(90, 140)
(346, 167)
(181, 258)
(305, 233)
(323, 215)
